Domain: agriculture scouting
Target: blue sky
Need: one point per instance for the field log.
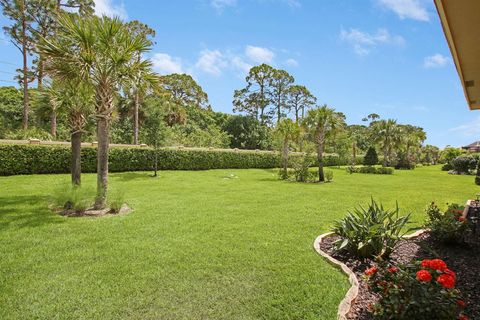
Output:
(358, 56)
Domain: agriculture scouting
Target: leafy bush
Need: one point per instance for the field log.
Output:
(447, 167)
(477, 176)
(370, 169)
(422, 290)
(370, 232)
(403, 162)
(464, 164)
(329, 175)
(371, 157)
(448, 227)
(301, 168)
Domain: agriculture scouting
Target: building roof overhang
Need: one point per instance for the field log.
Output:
(461, 25)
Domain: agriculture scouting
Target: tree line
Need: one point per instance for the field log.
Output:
(94, 83)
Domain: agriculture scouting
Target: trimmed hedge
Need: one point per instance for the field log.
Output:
(34, 159)
(370, 169)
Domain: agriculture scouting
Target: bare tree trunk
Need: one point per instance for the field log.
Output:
(136, 106)
(102, 163)
(385, 157)
(296, 115)
(53, 123)
(25, 72)
(76, 168)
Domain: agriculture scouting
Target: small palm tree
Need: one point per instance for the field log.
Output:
(73, 101)
(387, 134)
(323, 123)
(288, 131)
(103, 54)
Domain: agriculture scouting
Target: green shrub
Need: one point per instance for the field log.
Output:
(420, 290)
(403, 162)
(464, 164)
(371, 157)
(447, 167)
(448, 227)
(329, 175)
(370, 232)
(370, 169)
(35, 159)
(477, 176)
(301, 168)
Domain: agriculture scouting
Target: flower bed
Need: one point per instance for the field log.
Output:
(464, 260)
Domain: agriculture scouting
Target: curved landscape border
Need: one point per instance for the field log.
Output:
(352, 293)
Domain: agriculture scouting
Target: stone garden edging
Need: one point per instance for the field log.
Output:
(352, 293)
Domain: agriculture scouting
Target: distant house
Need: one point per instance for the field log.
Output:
(473, 147)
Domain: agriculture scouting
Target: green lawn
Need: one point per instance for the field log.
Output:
(197, 246)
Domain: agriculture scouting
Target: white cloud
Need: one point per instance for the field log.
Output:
(407, 9)
(166, 64)
(363, 42)
(219, 5)
(109, 8)
(259, 54)
(212, 62)
(468, 129)
(291, 62)
(240, 64)
(436, 61)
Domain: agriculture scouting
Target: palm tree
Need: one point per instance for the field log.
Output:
(413, 137)
(323, 123)
(387, 134)
(102, 53)
(288, 131)
(75, 101)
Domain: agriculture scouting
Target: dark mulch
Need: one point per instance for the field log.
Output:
(463, 259)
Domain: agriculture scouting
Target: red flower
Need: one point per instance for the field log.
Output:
(447, 281)
(424, 275)
(392, 269)
(461, 219)
(462, 317)
(371, 271)
(461, 303)
(437, 264)
(426, 263)
(450, 272)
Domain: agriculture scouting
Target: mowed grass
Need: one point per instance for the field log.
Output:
(199, 245)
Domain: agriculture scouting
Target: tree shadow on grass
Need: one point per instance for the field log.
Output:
(26, 212)
(128, 176)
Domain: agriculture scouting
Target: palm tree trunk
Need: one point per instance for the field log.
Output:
(76, 168)
(354, 150)
(385, 157)
(135, 117)
(102, 163)
(321, 175)
(53, 123)
(156, 159)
